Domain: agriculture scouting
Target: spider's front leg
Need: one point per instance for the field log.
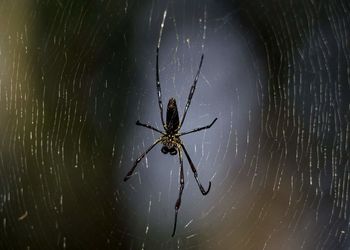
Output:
(204, 192)
(182, 184)
(139, 159)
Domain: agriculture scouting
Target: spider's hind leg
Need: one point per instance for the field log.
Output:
(138, 123)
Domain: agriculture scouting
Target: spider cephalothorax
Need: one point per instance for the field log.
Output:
(171, 143)
(170, 137)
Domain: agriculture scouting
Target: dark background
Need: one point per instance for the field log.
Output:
(76, 75)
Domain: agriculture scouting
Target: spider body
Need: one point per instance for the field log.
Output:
(170, 137)
(171, 140)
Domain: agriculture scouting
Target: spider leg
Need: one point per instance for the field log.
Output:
(138, 123)
(198, 129)
(195, 172)
(159, 91)
(193, 87)
(139, 159)
(182, 183)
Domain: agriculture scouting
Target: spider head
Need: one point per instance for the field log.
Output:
(170, 144)
(166, 150)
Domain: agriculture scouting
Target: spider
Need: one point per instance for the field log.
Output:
(170, 137)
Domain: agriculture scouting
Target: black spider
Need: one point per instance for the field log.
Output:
(170, 138)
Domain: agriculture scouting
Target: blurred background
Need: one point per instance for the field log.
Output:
(76, 75)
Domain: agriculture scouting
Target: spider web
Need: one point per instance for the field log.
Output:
(76, 75)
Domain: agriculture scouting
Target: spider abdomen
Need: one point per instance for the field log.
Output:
(172, 117)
